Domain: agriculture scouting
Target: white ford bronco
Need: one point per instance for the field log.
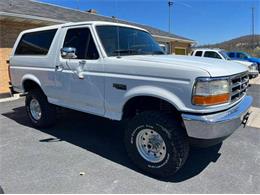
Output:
(119, 72)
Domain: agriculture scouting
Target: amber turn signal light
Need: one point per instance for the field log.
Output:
(210, 100)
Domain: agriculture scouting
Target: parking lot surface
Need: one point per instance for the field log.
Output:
(51, 160)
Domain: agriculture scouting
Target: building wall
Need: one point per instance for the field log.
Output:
(175, 45)
(184, 45)
(9, 31)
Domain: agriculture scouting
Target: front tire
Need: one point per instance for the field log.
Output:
(40, 112)
(156, 143)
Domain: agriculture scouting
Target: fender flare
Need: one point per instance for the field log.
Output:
(152, 91)
(30, 77)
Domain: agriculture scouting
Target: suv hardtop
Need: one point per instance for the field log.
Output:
(119, 72)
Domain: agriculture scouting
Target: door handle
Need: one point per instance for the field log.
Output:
(58, 67)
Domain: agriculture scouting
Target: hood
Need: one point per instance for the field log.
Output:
(214, 67)
(243, 62)
(255, 59)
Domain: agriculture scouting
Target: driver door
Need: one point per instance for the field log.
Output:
(78, 80)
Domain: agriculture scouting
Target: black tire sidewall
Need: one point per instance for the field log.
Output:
(30, 96)
(171, 162)
(48, 110)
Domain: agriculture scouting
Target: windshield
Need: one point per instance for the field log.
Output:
(224, 54)
(119, 41)
(247, 55)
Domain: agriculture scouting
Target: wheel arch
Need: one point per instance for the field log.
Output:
(30, 82)
(146, 95)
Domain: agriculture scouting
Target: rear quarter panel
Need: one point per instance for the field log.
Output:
(40, 69)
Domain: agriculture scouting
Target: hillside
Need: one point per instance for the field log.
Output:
(243, 43)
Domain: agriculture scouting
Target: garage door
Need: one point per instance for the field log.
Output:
(180, 51)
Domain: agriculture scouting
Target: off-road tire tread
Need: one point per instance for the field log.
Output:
(179, 138)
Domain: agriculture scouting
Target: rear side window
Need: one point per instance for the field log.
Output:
(35, 43)
(211, 54)
(198, 53)
(82, 40)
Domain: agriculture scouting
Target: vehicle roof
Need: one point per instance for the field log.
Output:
(208, 49)
(238, 52)
(94, 23)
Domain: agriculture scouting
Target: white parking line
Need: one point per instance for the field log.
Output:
(15, 97)
(254, 119)
(255, 81)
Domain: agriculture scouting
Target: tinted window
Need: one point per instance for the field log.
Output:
(241, 56)
(224, 55)
(35, 43)
(212, 54)
(82, 40)
(232, 55)
(198, 53)
(127, 41)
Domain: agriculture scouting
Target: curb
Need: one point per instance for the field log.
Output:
(10, 99)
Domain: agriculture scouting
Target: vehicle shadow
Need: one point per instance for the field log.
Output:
(105, 138)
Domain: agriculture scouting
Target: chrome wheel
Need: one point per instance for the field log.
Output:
(35, 109)
(151, 145)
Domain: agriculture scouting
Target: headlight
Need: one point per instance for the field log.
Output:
(253, 67)
(209, 92)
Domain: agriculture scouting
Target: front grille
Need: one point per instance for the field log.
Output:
(239, 85)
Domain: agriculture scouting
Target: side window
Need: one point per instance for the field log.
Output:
(212, 54)
(198, 53)
(241, 56)
(82, 40)
(35, 43)
(231, 55)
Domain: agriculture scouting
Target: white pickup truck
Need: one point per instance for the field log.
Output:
(222, 54)
(119, 72)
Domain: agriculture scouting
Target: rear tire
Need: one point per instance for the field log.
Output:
(164, 145)
(40, 112)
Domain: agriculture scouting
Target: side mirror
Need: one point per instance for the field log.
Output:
(68, 53)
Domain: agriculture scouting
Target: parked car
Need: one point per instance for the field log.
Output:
(222, 54)
(244, 56)
(119, 72)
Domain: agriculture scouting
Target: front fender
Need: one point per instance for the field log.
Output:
(153, 91)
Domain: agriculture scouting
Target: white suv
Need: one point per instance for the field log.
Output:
(119, 72)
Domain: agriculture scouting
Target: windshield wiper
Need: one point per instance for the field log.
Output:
(125, 51)
(136, 51)
(154, 53)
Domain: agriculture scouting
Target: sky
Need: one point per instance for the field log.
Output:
(205, 21)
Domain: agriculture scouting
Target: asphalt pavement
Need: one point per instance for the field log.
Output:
(85, 154)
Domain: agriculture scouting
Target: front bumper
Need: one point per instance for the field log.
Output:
(253, 74)
(219, 125)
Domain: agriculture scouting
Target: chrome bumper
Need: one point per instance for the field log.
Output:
(253, 73)
(218, 125)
